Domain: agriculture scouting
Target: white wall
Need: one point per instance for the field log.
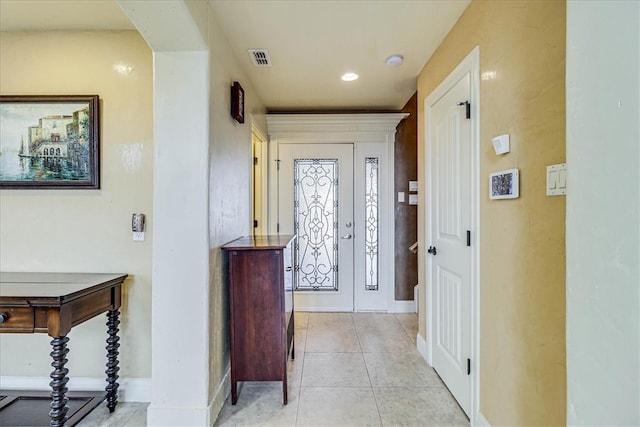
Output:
(202, 199)
(180, 263)
(603, 240)
(180, 354)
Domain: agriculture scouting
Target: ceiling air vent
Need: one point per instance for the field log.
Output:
(260, 57)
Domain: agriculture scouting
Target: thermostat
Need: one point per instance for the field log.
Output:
(504, 184)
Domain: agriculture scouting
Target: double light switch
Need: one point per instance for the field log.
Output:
(557, 180)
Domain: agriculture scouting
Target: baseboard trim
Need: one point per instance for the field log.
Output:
(130, 390)
(396, 307)
(421, 344)
(169, 416)
(405, 307)
(324, 309)
(220, 395)
(481, 421)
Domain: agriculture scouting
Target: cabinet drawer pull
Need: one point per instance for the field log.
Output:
(4, 317)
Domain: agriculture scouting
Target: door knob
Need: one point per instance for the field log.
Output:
(346, 236)
(432, 250)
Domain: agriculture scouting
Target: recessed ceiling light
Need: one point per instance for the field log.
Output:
(349, 77)
(394, 60)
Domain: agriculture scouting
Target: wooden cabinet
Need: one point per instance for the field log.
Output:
(260, 279)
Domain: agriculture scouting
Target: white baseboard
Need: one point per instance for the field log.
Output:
(405, 307)
(182, 416)
(171, 416)
(220, 396)
(396, 307)
(324, 309)
(421, 344)
(130, 390)
(481, 421)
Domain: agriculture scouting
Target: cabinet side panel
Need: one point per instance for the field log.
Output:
(257, 320)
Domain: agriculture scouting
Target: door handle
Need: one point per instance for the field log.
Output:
(347, 236)
(432, 250)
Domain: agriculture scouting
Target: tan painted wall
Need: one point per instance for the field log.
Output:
(522, 271)
(230, 215)
(85, 230)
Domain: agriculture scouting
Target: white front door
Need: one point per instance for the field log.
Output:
(316, 203)
(449, 256)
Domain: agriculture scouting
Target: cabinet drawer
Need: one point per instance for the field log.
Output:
(20, 319)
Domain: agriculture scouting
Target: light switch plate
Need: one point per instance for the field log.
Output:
(138, 236)
(557, 180)
(400, 196)
(413, 199)
(413, 185)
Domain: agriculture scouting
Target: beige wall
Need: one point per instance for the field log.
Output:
(230, 190)
(85, 230)
(522, 261)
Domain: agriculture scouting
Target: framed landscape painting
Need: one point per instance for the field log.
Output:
(49, 141)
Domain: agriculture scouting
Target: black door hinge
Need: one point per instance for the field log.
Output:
(467, 107)
(255, 223)
(278, 227)
(468, 237)
(468, 366)
(255, 161)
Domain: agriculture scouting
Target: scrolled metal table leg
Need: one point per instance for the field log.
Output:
(59, 380)
(112, 359)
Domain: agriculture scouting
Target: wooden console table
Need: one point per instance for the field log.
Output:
(53, 303)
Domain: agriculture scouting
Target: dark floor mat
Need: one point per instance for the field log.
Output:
(20, 408)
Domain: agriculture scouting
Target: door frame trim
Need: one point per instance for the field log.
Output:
(357, 128)
(258, 138)
(470, 64)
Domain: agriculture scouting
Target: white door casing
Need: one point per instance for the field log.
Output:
(452, 214)
(371, 135)
(259, 181)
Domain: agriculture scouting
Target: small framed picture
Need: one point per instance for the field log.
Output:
(237, 102)
(504, 184)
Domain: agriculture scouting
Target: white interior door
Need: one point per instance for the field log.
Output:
(449, 257)
(315, 184)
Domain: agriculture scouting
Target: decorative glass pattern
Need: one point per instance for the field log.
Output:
(371, 223)
(316, 224)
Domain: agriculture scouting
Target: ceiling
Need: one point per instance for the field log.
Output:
(311, 43)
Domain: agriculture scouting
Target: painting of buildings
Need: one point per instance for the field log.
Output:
(46, 143)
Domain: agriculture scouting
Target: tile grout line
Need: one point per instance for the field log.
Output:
(375, 398)
(304, 356)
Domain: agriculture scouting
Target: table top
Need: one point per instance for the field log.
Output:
(259, 242)
(16, 287)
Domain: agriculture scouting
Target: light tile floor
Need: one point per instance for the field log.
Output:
(351, 369)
